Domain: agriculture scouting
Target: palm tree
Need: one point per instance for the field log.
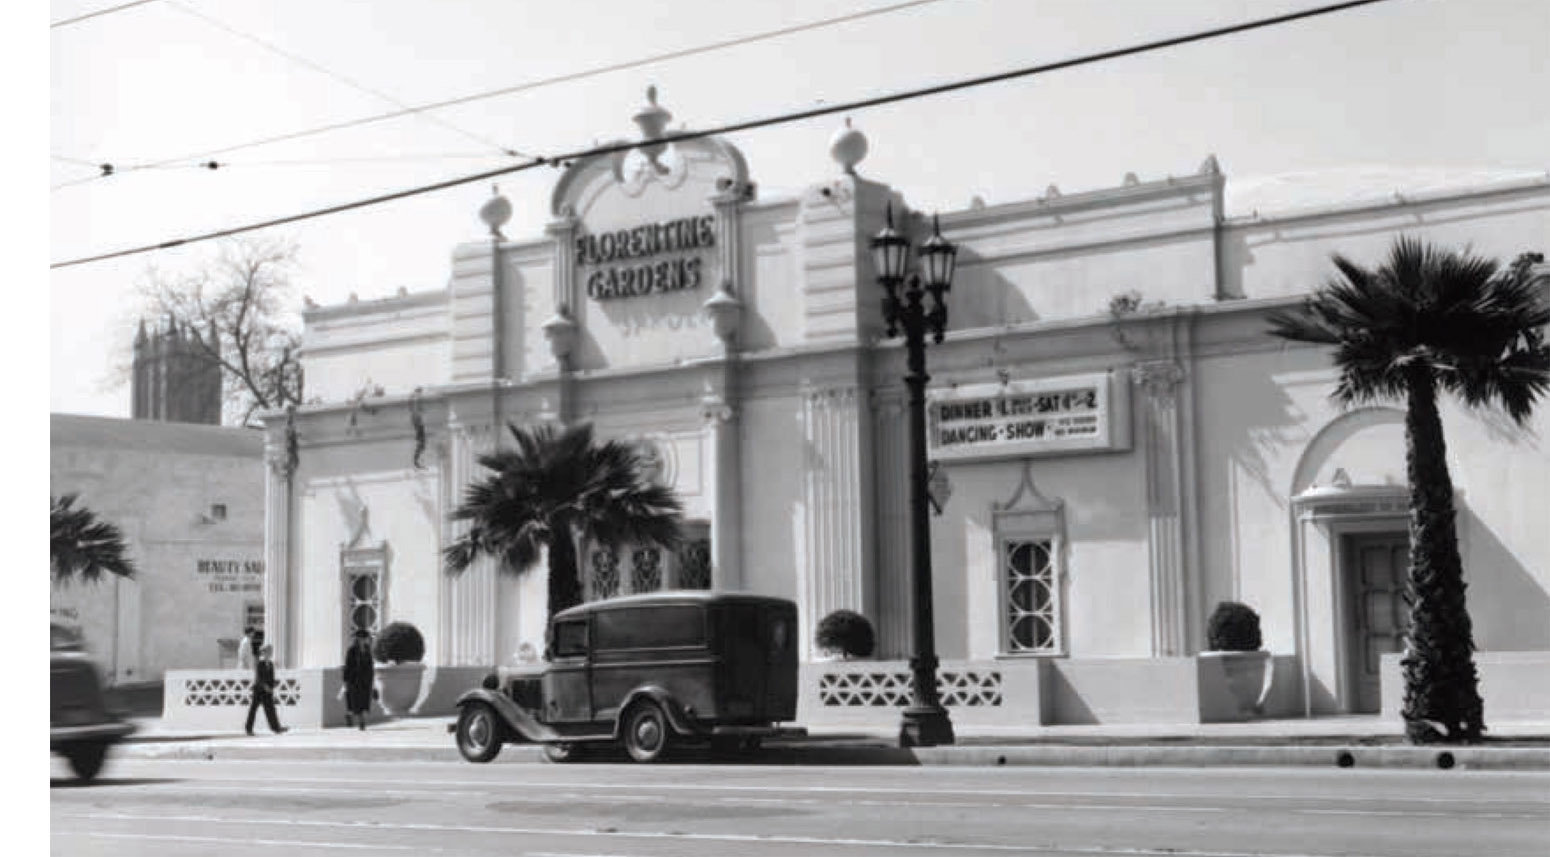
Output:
(1426, 320)
(81, 545)
(558, 486)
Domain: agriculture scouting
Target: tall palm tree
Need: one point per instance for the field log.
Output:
(558, 486)
(83, 546)
(1426, 320)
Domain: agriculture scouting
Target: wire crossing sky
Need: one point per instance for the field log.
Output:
(745, 126)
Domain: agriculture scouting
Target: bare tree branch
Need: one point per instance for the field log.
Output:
(244, 297)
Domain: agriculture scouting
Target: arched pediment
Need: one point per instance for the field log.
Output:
(1367, 443)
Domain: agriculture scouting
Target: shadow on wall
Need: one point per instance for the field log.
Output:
(996, 301)
(1509, 608)
(754, 332)
(1343, 232)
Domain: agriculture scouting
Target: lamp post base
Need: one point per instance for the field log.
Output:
(925, 726)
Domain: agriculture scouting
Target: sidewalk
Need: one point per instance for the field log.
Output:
(1357, 741)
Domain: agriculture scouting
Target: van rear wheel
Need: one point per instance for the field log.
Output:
(478, 733)
(647, 734)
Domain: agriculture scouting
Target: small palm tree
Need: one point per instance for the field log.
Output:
(83, 546)
(558, 486)
(1427, 320)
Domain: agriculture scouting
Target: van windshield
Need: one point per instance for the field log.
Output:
(659, 627)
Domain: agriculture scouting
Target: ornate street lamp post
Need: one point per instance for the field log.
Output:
(925, 721)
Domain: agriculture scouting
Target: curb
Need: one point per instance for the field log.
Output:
(1333, 756)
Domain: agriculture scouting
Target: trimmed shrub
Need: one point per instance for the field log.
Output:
(399, 643)
(1233, 627)
(848, 633)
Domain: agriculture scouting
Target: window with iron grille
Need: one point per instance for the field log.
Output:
(363, 573)
(1030, 557)
(1030, 596)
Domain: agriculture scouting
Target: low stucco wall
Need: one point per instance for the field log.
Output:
(1513, 685)
(218, 699)
(870, 693)
(1039, 692)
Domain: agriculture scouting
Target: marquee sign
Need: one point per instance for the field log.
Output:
(627, 262)
(1077, 413)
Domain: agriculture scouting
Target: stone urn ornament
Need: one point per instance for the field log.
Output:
(399, 651)
(1233, 641)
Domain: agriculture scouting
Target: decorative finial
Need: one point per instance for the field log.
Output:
(1131, 180)
(652, 120)
(848, 147)
(496, 211)
(1209, 167)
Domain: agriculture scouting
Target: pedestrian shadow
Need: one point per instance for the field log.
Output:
(99, 782)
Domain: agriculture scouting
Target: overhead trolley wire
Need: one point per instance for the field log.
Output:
(795, 116)
(306, 63)
(550, 81)
(107, 11)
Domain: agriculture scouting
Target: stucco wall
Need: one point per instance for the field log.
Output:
(1289, 254)
(152, 482)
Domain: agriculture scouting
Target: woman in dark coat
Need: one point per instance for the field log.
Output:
(358, 676)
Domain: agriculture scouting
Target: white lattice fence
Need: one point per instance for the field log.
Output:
(891, 689)
(236, 692)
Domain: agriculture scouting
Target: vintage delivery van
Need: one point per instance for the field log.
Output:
(647, 672)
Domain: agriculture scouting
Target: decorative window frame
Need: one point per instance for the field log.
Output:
(356, 562)
(1029, 516)
(670, 565)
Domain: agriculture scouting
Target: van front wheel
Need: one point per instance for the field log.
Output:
(647, 734)
(478, 733)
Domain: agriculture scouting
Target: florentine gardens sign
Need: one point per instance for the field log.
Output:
(1076, 413)
(625, 262)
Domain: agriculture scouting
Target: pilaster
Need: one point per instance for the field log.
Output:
(838, 302)
(469, 603)
(278, 603)
(838, 559)
(1159, 382)
(894, 596)
(719, 412)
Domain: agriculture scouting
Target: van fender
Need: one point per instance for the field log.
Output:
(682, 723)
(521, 722)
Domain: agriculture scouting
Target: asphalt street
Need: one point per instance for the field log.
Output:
(315, 807)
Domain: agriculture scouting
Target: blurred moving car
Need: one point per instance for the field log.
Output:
(81, 727)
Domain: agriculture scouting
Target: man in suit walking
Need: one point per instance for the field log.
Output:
(263, 690)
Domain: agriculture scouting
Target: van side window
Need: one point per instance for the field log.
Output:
(661, 627)
(570, 639)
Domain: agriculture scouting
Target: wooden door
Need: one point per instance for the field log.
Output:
(1377, 567)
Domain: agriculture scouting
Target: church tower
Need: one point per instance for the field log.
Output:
(176, 378)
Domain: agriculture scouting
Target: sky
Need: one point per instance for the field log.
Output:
(1401, 91)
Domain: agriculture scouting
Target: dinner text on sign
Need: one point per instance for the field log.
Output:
(1034, 416)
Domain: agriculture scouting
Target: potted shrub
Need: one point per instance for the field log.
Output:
(399, 651)
(1233, 640)
(846, 634)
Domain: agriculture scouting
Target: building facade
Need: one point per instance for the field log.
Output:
(190, 502)
(1119, 444)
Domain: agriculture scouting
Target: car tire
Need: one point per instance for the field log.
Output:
(86, 759)
(478, 733)
(647, 734)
